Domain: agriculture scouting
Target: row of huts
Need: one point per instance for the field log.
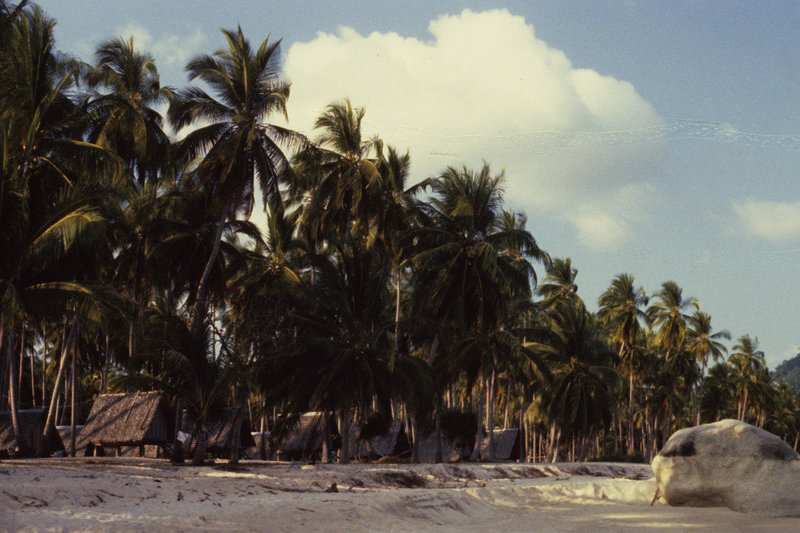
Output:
(139, 423)
(143, 424)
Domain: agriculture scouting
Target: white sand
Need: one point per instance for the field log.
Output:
(136, 495)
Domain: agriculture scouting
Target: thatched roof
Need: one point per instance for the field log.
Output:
(427, 450)
(303, 437)
(65, 433)
(259, 439)
(126, 420)
(504, 444)
(393, 442)
(31, 422)
(220, 431)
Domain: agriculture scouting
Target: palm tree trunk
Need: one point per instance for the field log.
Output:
(33, 382)
(555, 438)
(106, 360)
(653, 443)
(666, 429)
(131, 347)
(73, 386)
(344, 423)
(397, 311)
(437, 425)
(49, 425)
(630, 414)
(476, 450)
(200, 293)
(506, 416)
(236, 441)
(744, 406)
(523, 432)
(44, 364)
(21, 361)
(199, 457)
(326, 438)
(3, 377)
(415, 438)
(490, 400)
(177, 447)
(700, 393)
(12, 392)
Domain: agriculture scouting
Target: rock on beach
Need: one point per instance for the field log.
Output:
(729, 463)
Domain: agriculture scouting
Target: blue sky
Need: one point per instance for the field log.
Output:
(658, 138)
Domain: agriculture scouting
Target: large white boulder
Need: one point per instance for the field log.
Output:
(729, 463)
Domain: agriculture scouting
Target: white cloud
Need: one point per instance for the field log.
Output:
(609, 221)
(485, 88)
(774, 221)
(171, 51)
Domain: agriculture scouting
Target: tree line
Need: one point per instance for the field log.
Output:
(128, 261)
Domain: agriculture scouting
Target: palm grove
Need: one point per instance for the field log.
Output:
(128, 262)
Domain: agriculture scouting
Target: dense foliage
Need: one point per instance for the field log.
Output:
(788, 372)
(128, 262)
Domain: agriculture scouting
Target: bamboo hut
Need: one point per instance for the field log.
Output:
(31, 422)
(126, 420)
(506, 444)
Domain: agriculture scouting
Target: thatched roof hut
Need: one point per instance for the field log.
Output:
(65, 434)
(261, 447)
(426, 452)
(299, 437)
(31, 422)
(127, 420)
(220, 432)
(506, 442)
(392, 443)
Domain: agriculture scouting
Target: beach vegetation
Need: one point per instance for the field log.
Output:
(130, 260)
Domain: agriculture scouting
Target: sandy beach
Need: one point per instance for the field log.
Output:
(135, 495)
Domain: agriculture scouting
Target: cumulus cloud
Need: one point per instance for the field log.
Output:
(774, 221)
(171, 51)
(485, 88)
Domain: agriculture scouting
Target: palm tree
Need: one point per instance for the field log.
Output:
(342, 356)
(621, 310)
(559, 283)
(50, 195)
(188, 365)
(238, 149)
(470, 264)
(582, 399)
(345, 185)
(702, 343)
(667, 315)
(746, 361)
(186, 236)
(463, 268)
(719, 393)
(394, 219)
(785, 418)
(123, 118)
